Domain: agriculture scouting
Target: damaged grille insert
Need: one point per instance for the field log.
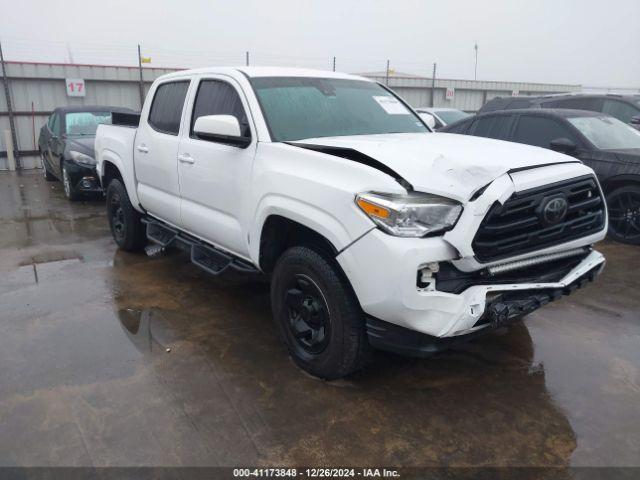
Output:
(539, 218)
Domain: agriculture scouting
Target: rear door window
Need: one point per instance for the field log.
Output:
(621, 110)
(540, 131)
(492, 127)
(216, 97)
(166, 109)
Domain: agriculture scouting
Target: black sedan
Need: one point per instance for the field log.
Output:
(66, 146)
(604, 143)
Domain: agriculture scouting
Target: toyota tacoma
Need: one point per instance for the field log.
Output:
(373, 230)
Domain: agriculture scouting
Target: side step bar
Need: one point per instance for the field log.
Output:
(207, 257)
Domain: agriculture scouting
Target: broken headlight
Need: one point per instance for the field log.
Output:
(412, 215)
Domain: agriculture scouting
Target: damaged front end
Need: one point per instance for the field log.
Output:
(503, 303)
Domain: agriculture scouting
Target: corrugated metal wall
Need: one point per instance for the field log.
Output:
(37, 88)
(469, 95)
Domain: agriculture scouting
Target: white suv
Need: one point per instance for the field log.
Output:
(374, 231)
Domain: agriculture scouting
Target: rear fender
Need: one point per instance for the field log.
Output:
(126, 172)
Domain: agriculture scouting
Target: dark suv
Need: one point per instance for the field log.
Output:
(625, 108)
(602, 142)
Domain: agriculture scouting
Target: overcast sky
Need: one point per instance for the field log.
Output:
(588, 42)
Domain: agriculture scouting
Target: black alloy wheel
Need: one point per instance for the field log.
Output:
(116, 218)
(309, 318)
(124, 221)
(624, 214)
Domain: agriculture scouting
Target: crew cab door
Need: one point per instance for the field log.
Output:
(155, 151)
(215, 178)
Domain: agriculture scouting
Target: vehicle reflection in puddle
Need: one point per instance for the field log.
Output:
(454, 407)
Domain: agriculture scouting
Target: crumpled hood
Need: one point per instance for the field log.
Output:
(445, 164)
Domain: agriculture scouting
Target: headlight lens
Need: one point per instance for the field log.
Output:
(411, 215)
(82, 158)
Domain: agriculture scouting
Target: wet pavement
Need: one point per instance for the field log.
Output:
(109, 358)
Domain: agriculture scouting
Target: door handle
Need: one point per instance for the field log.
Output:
(186, 158)
(142, 149)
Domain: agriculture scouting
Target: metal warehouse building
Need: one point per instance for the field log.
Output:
(35, 89)
(467, 95)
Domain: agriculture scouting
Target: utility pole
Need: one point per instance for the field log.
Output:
(334, 64)
(475, 72)
(433, 86)
(387, 81)
(12, 125)
(141, 79)
(247, 57)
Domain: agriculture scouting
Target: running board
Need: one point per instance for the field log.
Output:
(160, 233)
(212, 260)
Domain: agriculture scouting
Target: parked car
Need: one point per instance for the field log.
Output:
(374, 231)
(625, 108)
(602, 142)
(66, 146)
(441, 116)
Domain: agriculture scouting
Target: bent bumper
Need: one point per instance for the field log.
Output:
(383, 272)
(500, 311)
(84, 178)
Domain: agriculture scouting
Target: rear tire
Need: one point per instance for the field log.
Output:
(318, 315)
(124, 221)
(624, 214)
(47, 176)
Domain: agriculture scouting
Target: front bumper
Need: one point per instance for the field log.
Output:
(84, 178)
(383, 271)
(501, 310)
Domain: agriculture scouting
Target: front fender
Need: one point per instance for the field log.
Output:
(311, 216)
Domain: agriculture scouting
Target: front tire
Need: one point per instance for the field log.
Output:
(124, 221)
(318, 315)
(69, 191)
(624, 214)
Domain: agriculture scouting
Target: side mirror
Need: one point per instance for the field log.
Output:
(635, 120)
(429, 120)
(222, 129)
(563, 145)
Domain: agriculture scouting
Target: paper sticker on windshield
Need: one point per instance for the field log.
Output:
(391, 105)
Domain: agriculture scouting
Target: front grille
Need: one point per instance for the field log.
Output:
(519, 226)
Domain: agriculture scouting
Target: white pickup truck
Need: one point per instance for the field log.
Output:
(375, 231)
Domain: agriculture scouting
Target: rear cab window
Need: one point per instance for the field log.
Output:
(166, 109)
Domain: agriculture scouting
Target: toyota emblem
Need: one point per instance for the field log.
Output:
(555, 210)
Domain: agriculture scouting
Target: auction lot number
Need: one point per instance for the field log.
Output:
(316, 472)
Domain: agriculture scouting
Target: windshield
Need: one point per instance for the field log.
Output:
(85, 123)
(451, 116)
(300, 107)
(607, 133)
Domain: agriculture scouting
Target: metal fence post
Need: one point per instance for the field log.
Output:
(12, 126)
(387, 80)
(433, 86)
(141, 79)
